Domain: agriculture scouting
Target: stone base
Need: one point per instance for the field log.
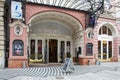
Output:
(87, 61)
(84, 61)
(17, 63)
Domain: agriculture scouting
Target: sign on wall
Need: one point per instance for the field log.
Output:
(16, 10)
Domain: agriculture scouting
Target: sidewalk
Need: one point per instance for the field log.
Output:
(105, 71)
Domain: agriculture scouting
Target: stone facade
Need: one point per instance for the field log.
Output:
(2, 35)
(75, 20)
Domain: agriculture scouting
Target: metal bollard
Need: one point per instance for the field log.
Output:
(88, 62)
(99, 63)
(23, 64)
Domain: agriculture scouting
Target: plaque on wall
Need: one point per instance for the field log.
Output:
(18, 48)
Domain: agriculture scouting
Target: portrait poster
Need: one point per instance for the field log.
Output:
(18, 48)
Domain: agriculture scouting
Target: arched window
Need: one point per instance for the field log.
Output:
(105, 31)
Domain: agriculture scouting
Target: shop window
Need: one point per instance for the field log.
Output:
(68, 49)
(62, 50)
(99, 49)
(39, 55)
(89, 49)
(18, 48)
(110, 49)
(32, 49)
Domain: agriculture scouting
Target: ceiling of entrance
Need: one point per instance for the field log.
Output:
(54, 22)
(83, 5)
(72, 4)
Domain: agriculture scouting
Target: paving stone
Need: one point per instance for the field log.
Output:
(92, 72)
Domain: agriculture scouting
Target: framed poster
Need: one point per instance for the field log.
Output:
(89, 49)
(18, 48)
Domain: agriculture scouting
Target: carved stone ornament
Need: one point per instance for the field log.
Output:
(18, 30)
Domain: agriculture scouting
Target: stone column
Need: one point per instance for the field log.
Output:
(2, 35)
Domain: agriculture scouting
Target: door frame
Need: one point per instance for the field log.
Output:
(56, 42)
(58, 38)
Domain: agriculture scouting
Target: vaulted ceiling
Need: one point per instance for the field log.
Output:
(82, 5)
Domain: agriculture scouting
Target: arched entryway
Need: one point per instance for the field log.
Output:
(51, 37)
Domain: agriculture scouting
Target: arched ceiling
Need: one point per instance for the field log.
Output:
(71, 4)
(54, 19)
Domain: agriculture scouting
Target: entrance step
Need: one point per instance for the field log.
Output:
(44, 65)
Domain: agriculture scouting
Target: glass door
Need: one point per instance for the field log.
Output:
(110, 49)
(104, 49)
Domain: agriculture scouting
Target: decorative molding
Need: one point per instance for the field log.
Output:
(18, 29)
(16, 23)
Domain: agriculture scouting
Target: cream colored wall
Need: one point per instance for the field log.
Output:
(2, 35)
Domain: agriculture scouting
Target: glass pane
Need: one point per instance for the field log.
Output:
(104, 30)
(68, 49)
(39, 54)
(62, 50)
(109, 32)
(32, 49)
(110, 49)
(100, 31)
(99, 49)
(89, 49)
(104, 49)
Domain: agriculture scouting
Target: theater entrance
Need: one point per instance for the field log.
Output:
(51, 38)
(53, 51)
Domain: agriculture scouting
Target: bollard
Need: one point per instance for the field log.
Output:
(23, 64)
(88, 62)
(99, 63)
